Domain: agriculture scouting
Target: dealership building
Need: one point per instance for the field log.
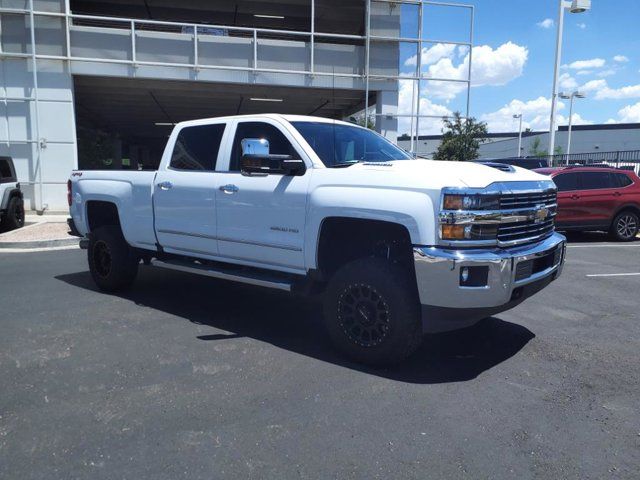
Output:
(99, 84)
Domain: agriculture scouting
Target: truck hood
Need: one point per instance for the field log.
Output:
(447, 173)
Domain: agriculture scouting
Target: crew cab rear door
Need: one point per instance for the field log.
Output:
(184, 194)
(261, 218)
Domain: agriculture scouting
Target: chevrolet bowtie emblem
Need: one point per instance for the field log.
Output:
(540, 214)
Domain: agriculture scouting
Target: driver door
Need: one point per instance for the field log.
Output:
(261, 218)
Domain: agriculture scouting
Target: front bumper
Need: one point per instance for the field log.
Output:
(438, 275)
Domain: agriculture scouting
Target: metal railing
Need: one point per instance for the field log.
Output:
(625, 159)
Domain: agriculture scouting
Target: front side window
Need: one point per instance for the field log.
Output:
(595, 180)
(566, 182)
(197, 147)
(278, 143)
(343, 145)
(6, 172)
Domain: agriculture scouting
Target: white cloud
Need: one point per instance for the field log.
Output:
(433, 54)
(630, 114)
(546, 23)
(586, 64)
(428, 126)
(576, 120)
(584, 72)
(489, 67)
(620, 59)
(566, 81)
(535, 115)
(606, 73)
(602, 91)
(581, 26)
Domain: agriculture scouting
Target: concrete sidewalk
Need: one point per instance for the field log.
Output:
(40, 231)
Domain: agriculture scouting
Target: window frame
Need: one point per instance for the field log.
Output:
(225, 130)
(232, 127)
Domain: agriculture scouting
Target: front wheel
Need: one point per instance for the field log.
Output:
(372, 312)
(112, 262)
(625, 226)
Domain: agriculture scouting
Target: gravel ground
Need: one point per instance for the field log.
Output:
(188, 377)
(36, 232)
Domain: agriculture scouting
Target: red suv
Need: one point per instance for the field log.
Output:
(597, 198)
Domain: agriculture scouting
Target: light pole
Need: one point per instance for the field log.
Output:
(519, 134)
(570, 97)
(574, 6)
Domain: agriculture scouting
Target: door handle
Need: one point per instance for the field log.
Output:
(616, 194)
(575, 197)
(229, 189)
(165, 185)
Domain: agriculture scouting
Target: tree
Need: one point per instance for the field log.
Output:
(535, 150)
(461, 138)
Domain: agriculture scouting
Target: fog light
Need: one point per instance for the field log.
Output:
(474, 276)
(464, 274)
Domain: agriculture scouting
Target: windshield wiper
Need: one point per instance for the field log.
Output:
(345, 164)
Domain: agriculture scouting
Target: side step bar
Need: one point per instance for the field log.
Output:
(252, 278)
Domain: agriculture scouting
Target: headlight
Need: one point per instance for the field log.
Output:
(470, 202)
(468, 232)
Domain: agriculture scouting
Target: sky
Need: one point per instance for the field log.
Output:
(513, 58)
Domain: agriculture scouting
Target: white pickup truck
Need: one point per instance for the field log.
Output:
(396, 246)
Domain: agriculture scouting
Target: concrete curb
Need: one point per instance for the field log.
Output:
(59, 242)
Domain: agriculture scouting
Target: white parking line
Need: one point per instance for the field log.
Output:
(613, 274)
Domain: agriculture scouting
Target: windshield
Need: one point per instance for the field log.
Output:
(340, 145)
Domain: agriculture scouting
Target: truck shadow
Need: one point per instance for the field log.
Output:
(295, 324)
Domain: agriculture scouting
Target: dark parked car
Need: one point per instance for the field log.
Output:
(597, 198)
(11, 200)
(529, 163)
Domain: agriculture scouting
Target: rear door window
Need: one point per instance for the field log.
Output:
(197, 148)
(595, 180)
(566, 182)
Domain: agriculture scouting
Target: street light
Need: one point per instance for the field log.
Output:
(519, 115)
(575, 6)
(570, 97)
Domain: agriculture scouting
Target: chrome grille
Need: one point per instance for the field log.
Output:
(527, 200)
(530, 230)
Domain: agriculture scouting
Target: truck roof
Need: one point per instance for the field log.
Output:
(273, 116)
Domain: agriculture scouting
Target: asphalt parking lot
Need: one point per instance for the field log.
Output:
(188, 377)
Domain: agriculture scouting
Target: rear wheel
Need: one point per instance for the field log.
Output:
(112, 262)
(15, 214)
(372, 312)
(625, 226)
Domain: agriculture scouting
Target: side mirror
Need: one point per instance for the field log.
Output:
(256, 160)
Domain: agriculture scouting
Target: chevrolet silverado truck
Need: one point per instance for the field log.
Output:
(395, 246)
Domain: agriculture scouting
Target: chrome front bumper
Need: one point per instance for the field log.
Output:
(438, 274)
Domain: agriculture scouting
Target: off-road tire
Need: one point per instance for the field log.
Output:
(112, 262)
(625, 226)
(14, 217)
(372, 312)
